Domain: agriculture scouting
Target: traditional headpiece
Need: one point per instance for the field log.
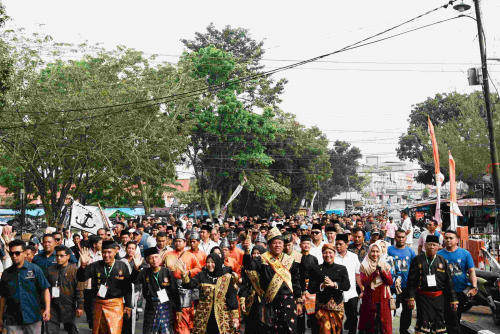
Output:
(206, 228)
(260, 238)
(150, 251)
(330, 228)
(109, 244)
(179, 235)
(194, 235)
(274, 233)
(288, 238)
(232, 236)
(305, 238)
(328, 246)
(316, 227)
(432, 238)
(342, 237)
(224, 243)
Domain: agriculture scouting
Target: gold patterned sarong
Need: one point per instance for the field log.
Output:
(281, 267)
(108, 316)
(330, 321)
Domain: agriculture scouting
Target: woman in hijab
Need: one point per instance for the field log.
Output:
(218, 301)
(328, 281)
(250, 295)
(376, 278)
(384, 257)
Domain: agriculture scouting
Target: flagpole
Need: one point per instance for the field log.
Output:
(104, 218)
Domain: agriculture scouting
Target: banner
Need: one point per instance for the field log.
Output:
(454, 209)
(86, 218)
(311, 208)
(437, 171)
(235, 194)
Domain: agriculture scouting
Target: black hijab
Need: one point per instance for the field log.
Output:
(260, 248)
(218, 271)
(220, 250)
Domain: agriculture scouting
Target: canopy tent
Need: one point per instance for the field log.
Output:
(10, 212)
(119, 212)
(198, 213)
(127, 212)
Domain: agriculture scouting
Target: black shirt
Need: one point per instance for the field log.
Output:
(153, 282)
(118, 283)
(306, 265)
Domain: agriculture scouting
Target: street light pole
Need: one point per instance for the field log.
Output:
(489, 115)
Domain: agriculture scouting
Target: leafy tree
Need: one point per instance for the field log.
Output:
(247, 52)
(466, 136)
(425, 193)
(64, 145)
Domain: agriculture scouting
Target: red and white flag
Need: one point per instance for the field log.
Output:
(454, 209)
(437, 172)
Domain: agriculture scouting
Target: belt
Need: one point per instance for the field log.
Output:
(430, 293)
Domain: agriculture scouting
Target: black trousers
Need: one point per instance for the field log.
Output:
(53, 327)
(452, 319)
(351, 315)
(406, 313)
(88, 306)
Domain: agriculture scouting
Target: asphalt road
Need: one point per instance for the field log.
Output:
(479, 315)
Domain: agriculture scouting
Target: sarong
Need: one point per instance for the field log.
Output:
(108, 316)
(430, 315)
(279, 316)
(163, 320)
(330, 321)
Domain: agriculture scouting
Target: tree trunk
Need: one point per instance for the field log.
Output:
(217, 203)
(208, 207)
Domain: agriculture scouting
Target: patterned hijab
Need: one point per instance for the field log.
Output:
(369, 266)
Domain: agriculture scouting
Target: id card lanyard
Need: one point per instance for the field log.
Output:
(162, 293)
(55, 289)
(431, 279)
(104, 288)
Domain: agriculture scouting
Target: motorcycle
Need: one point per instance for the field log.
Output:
(416, 232)
(488, 288)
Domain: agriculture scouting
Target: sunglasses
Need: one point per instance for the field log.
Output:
(58, 239)
(315, 232)
(15, 253)
(61, 255)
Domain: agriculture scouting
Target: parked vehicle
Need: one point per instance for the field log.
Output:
(416, 232)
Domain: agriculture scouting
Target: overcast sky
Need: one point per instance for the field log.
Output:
(363, 96)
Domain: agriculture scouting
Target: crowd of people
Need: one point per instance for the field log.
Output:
(281, 275)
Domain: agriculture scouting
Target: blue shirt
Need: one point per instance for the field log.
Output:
(45, 262)
(459, 262)
(402, 259)
(143, 244)
(23, 289)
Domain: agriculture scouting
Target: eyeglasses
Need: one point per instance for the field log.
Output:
(15, 253)
(315, 232)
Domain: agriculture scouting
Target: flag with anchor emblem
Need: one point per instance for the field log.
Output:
(86, 218)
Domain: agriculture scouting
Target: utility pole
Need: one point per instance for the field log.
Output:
(489, 116)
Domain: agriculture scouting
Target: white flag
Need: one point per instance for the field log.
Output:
(86, 218)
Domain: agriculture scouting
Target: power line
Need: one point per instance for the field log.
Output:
(215, 87)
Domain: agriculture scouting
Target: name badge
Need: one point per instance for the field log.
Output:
(162, 295)
(431, 280)
(30, 274)
(102, 291)
(55, 292)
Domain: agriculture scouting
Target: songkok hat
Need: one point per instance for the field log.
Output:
(342, 237)
(274, 233)
(232, 236)
(262, 228)
(305, 238)
(170, 228)
(328, 246)
(260, 238)
(432, 238)
(109, 244)
(150, 251)
(288, 238)
(194, 235)
(330, 228)
(224, 243)
(179, 234)
(292, 229)
(316, 227)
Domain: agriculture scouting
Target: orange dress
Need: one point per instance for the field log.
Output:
(193, 267)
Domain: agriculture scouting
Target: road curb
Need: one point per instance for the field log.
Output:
(470, 328)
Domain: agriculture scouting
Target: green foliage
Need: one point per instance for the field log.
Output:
(466, 136)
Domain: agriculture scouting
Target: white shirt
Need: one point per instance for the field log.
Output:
(351, 262)
(316, 251)
(151, 242)
(123, 251)
(407, 225)
(423, 237)
(207, 247)
(68, 242)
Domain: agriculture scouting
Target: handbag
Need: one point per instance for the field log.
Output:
(392, 301)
